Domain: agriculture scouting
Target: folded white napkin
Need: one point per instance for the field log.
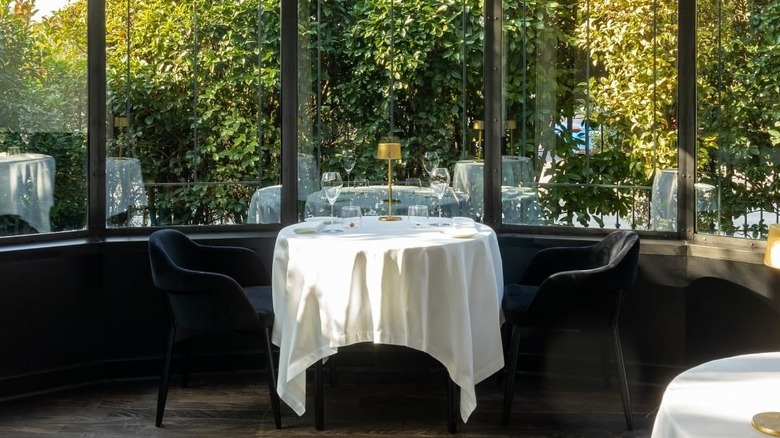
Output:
(310, 227)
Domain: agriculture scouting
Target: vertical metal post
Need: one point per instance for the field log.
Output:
(686, 150)
(493, 117)
(289, 108)
(96, 105)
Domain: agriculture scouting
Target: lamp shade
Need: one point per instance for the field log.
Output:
(510, 125)
(479, 125)
(772, 254)
(388, 151)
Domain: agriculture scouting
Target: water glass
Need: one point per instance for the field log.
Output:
(14, 150)
(418, 215)
(351, 216)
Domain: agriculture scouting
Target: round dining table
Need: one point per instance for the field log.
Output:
(720, 398)
(432, 289)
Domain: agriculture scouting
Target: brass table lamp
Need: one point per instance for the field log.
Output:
(769, 422)
(389, 152)
(479, 126)
(510, 126)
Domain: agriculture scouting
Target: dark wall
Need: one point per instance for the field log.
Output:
(85, 311)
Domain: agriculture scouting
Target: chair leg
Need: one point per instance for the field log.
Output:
(185, 364)
(275, 405)
(621, 366)
(451, 407)
(319, 397)
(162, 393)
(511, 370)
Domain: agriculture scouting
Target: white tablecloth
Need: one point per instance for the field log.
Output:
(265, 206)
(469, 177)
(124, 185)
(389, 283)
(27, 188)
(719, 398)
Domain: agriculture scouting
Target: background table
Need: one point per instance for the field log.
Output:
(469, 178)
(265, 206)
(719, 398)
(124, 185)
(387, 282)
(27, 188)
(372, 201)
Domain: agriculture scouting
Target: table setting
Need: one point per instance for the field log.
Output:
(400, 282)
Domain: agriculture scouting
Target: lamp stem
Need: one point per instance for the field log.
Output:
(390, 187)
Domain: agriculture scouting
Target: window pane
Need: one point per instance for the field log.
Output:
(194, 100)
(590, 93)
(738, 150)
(43, 121)
(389, 71)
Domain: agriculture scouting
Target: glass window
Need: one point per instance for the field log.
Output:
(590, 113)
(406, 72)
(43, 118)
(738, 149)
(193, 91)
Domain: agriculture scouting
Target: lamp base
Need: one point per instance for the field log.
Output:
(389, 218)
(767, 422)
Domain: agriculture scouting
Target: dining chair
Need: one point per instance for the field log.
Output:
(211, 290)
(573, 288)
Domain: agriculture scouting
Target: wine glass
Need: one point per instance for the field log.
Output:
(331, 185)
(430, 161)
(440, 182)
(418, 215)
(348, 160)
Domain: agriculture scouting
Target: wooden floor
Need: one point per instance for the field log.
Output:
(237, 405)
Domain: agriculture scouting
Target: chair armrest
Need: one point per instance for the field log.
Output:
(241, 264)
(553, 260)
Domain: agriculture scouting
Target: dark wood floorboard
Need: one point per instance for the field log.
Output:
(237, 405)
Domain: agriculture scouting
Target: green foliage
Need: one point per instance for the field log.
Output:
(199, 82)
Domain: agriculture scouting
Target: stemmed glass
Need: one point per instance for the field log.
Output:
(440, 182)
(331, 185)
(430, 161)
(348, 161)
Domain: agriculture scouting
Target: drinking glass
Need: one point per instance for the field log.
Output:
(348, 160)
(440, 182)
(351, 216)
(418, 215)
(430, 161)
(331, 185)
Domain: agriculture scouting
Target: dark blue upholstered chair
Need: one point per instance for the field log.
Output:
(573, 288)
(211, 290)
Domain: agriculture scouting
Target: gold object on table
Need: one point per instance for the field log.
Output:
(389, 151)
(769, 422)
(510, 125)
(479, 126)
(772, 254)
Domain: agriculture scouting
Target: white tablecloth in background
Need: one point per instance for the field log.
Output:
(469, 177)
(265, 206)
(387, 283)
(27, 188)
(124, 185)
(719, 398)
